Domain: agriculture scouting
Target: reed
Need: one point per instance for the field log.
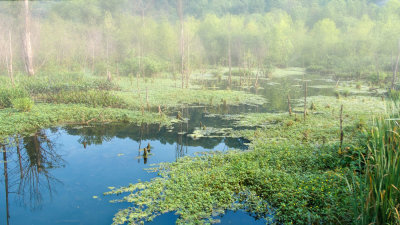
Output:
(375, 187)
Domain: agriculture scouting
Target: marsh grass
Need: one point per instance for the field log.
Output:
(294, 179)
(376, 186)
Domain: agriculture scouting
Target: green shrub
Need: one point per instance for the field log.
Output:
(315, 69)
(66, 82)
(22, 104)
(394, 95)
(150, 66)
(375, 187)
(9, 94)
(89, 98)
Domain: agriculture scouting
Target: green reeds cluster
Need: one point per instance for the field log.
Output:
(376, 185)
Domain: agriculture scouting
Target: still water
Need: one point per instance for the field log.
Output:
(58, 175)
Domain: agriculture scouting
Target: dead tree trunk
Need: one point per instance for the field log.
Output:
(27, 47)
(10, 66)
(289, 105)
(188, 63)
(341, 129)
(182, 41)
(305, 101)
(396, 67)
(230, 53)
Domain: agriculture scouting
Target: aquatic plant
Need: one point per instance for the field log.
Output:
(7, 95)
(290, 171)
(22, 104)
(375, 183)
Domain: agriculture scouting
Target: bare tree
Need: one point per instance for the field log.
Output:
(10, 63)
(27, 47)
(230, 52)
(182, 41)
(396, 67)
(142, 7)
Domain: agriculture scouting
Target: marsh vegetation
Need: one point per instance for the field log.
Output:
(193, 112)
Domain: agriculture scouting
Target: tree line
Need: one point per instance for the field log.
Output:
(341, 37)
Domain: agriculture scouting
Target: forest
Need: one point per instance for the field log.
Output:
(200, 112)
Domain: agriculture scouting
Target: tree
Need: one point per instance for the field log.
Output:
(182, 42)
(108, 25)
(27, 46)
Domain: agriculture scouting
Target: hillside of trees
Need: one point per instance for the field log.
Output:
(357, 38)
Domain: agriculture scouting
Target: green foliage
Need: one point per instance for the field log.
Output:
(150, 66)
(163, 92)
(48, 115)
(299, 182)
(394, 95)
(7, 95)
(90, 98)
(22, 104)
(65, 82)
(375, 185)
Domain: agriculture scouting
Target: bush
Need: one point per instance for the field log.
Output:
(66, 82)
(9, 94)
(23, 104)
(151, 66)
(89, 98)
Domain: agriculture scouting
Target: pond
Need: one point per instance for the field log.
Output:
(59, 175)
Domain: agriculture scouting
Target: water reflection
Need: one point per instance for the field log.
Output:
(41, 157)
(33, 165)
(27, 165)
(58, 170)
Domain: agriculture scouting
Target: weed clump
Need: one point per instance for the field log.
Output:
(7, 95)
(22, 104)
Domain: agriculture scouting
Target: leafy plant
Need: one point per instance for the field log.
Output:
(375, 188)
(22, 104)
(7, 95)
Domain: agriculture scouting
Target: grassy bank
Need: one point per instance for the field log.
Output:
(47, 115)
(79, 98)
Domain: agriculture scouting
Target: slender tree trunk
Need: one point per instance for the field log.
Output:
(341, 129)
(305, 101)
(289, 105)
(141, 71)
(108, 61)
(188, 64)
(27, 47)
(230, 53)
(182, 41)
(396, 68)
(10, 67)
(93, 57)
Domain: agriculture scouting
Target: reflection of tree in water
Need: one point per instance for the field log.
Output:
(3, 147)
(32, 173)
(94, 136)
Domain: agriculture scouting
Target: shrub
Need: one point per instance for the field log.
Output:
(150, 66)
(23, 104)
(89, 98)
(375, 187)
(66, 82)
(9, 94)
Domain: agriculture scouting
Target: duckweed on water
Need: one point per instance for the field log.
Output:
(291, 171)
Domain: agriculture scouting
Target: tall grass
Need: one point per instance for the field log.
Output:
(376, 186)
